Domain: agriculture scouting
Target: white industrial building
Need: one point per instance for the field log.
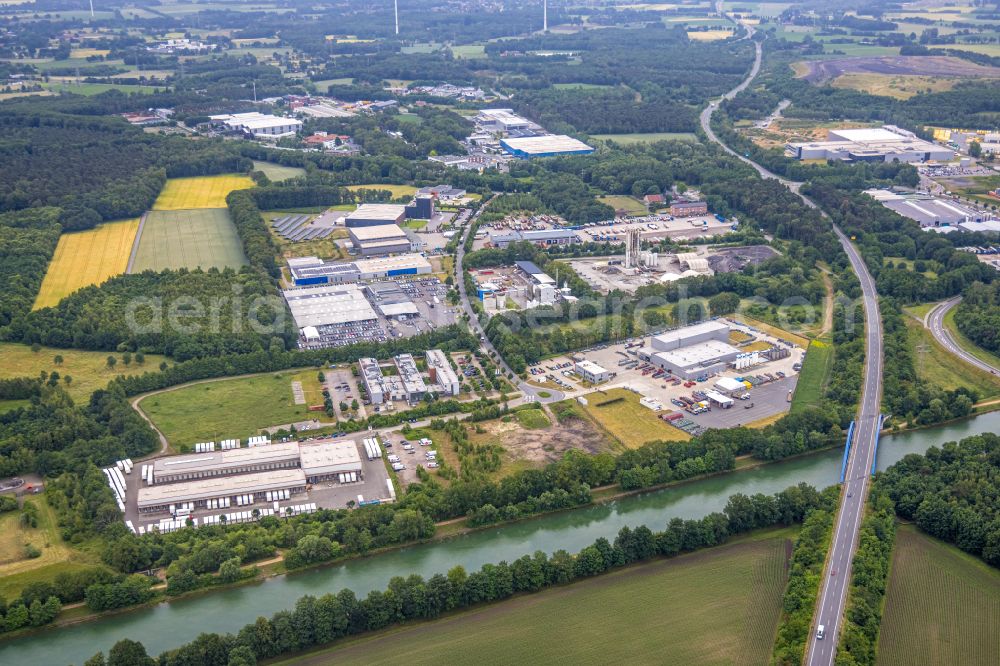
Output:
(730, 386)
(245, 475)
(929, 211)
(380, 239)
(502, 120)
(324, 305)
(692, 351)
(259, 124)
(885, 144)
(592, 372)
(313, 270)
(413, 383)
(548, 145)
(692, 261)
(441, 373)
(369, 215)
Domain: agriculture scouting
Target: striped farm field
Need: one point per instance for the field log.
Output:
(87, 257)
(200, 191)
(173, 239)
(716, 606)
(942, 606)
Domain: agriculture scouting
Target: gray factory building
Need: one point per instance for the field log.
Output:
(692, 351)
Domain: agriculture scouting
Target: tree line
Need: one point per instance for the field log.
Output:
(319, 621)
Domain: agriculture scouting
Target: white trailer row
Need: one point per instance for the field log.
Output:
(300, 509)
(392, 489)
(260, 440)
(274, 495)
(116, 481)
(204, 447)
(237, 517)
(372, 448)
(218, 503)
(229, 444)
(131, 527)
(348, 477)
(244, 500)
(125, 465)
(184, 508)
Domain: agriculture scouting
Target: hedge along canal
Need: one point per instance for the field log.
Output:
(169, 625)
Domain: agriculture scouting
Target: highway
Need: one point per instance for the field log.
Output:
(837, 574)
(477, 326)
(934, 322)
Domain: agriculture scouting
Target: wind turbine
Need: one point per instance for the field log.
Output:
(545, 15)
(395, 11)
(91, 8)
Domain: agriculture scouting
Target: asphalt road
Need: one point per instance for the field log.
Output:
(934, 322)
(477, 326)
(837, 574)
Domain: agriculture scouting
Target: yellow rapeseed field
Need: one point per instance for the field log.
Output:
(200, 191)
(85, 258)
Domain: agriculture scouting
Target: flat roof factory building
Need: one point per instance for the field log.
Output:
(928, 210)
(885, 144)
(692, 351)
(313, 270)
(328, 304)
(441, 372)
(549, 145)
(379, 239)
(368, 215)
(223, 475)
(502, 120)
(259, 124)
(542, 237)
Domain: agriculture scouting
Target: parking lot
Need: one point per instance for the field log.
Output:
(772, 381)
(421, 292)
(411, 454)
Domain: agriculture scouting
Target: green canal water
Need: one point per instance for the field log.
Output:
(169, 625)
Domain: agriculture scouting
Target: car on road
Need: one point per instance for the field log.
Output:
(820, 632)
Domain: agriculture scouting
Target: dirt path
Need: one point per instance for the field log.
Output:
(827, 306)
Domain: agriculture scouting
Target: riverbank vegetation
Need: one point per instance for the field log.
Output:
(721, 603)
(316, 621)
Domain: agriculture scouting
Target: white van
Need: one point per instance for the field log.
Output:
(820, 632)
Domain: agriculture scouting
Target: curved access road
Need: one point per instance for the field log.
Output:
(527, 389)
(837, 575)
(934, 322)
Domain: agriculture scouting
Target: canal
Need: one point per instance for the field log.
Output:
(169, 625)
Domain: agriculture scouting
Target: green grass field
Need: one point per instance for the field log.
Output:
(942, 606)
(173, 239)
(533, 419)
(397, 190)
(218, 410)
(718, 606)
(814, 375)
(16, 570)
(91, 89)
(630, 205)
(277, 172)
(629, 139)
(628, 421)
(580, 86)
(935, 365)
(88, 369)
(469, 51)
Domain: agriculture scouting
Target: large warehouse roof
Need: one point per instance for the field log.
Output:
(929, 211)
(692, 356)
(550, 144)
(225, 460)
(378, 232)
(328, 304)
(398, 263)
(377, 212)
(220, 486)
(680, 335)
(330, 457)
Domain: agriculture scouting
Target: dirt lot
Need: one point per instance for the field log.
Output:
(547, 444)
(824, 70)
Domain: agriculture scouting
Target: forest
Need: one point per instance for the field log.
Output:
(978, 315)
(950, 493)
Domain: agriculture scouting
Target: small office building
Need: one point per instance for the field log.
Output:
(592, 372)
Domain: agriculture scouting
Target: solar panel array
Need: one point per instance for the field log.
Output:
(293, 228)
